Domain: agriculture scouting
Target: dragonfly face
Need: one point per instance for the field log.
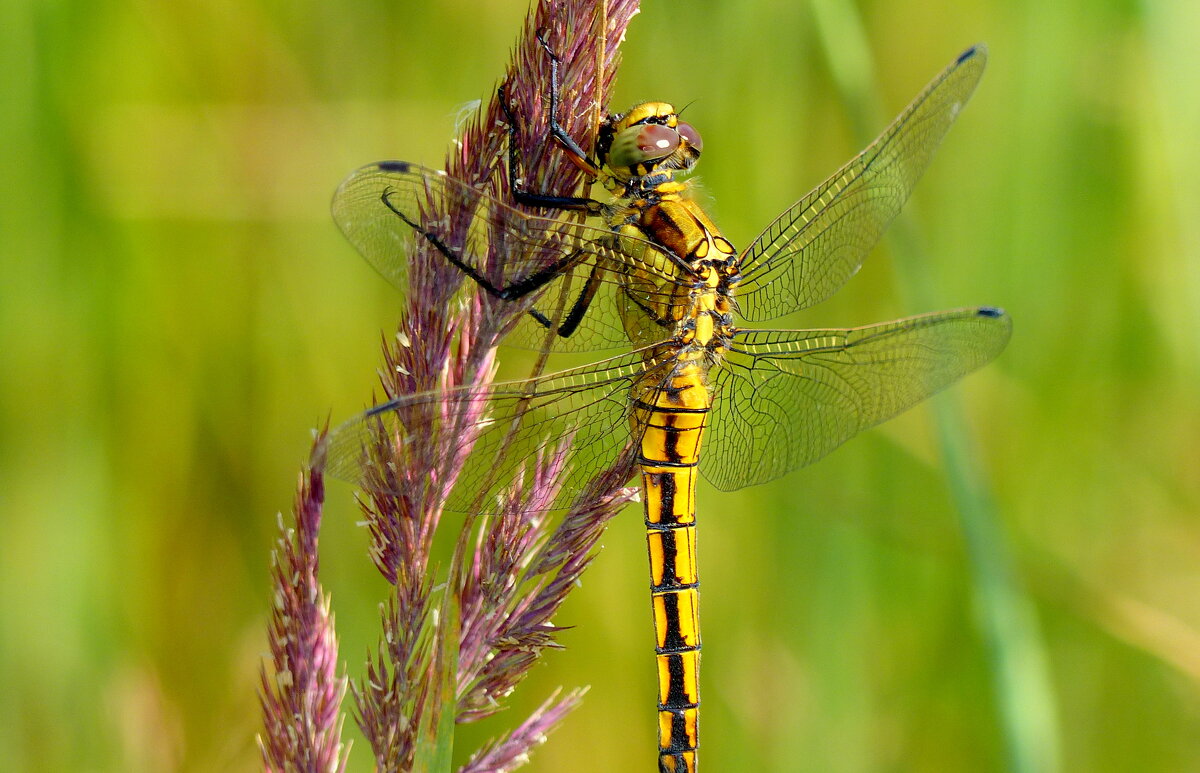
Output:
(647, 138)
(658, 280)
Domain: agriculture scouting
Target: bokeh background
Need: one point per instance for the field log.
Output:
(177, 312)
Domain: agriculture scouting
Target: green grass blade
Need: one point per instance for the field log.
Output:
(435, 744)
(1022, 689)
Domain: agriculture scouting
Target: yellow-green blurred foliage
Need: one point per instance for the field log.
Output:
(177, 311)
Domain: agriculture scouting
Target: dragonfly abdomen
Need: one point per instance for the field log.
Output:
(672, 415)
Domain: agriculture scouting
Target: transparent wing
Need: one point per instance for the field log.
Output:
(561, 271)
(786, 398)
(496, 436)
(819, 242)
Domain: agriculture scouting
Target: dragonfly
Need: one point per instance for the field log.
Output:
(659, 282)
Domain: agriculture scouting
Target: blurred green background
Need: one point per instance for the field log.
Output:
(178, 311)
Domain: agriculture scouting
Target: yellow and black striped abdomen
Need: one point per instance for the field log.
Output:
(672, 416)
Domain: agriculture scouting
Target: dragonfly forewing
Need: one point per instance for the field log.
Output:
(817, 244)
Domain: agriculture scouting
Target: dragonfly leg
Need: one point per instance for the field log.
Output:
(529, 198)
(578, 308)
(520, 289)
(514, 291)
(575, 154)
(560, 134)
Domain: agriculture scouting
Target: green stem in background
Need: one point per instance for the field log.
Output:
(1023, 692)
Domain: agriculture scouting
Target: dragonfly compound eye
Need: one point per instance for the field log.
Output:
(689, 133)
(642, 143)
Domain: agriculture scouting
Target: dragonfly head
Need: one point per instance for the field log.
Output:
(647, 138)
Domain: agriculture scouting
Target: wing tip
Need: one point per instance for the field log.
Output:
(393, 166)
(993, 312)
(977, 50)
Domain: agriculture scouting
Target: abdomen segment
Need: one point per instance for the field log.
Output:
(673, 417)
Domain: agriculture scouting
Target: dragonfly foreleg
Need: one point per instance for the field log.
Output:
(575, 154)
(579, 155)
